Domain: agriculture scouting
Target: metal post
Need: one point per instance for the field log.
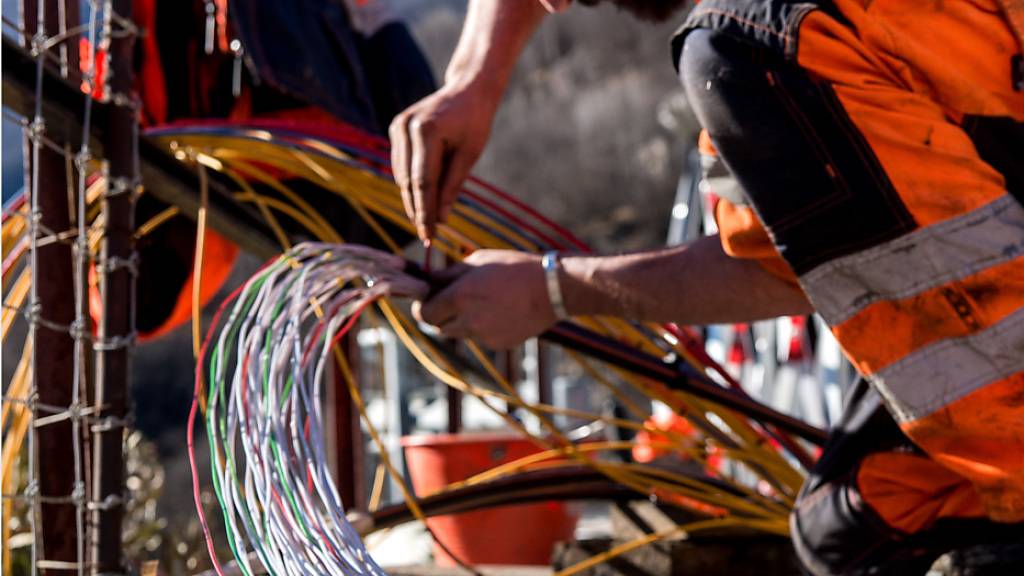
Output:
(349, 446)
(348, 435)
(454, 398)
(55, 368)
(117, 285)
(510, 369)
(54, 312)
(399, 421)
(544, 369)
(453, 395)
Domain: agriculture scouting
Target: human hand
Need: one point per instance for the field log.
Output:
(434, 144)
(496, 297)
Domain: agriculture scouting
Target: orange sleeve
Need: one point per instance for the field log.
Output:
(743, 236)
(219, 255)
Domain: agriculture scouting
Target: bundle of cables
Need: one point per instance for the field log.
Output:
(266, 375)
(261, 378)
(756, 471)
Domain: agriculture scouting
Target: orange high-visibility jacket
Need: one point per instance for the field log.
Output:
(934, 317)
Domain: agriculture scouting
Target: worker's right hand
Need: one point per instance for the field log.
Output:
(434, 144)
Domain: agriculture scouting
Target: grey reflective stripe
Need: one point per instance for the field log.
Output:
(948, 370)
(926, 258)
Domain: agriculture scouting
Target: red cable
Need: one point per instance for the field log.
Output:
(569, 236)
(18, 202)
(199, 387)
(193, 411)
(14, 255)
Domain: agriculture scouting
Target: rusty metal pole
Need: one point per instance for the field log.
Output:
(453, 396)
(544, 369)
(53, 345)
(55, 366)
(348, 434)
(117, 284)
(349, 448)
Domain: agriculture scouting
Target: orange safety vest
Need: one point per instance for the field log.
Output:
(934, 317)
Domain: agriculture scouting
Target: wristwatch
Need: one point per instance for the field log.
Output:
(550, 264)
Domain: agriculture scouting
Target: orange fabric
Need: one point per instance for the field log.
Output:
(1014, 11)
(981, 437)
(704, 144)
(650, 445)
(743, 236)
(912, 323)
(907, 74)
(218, 259)
(95, 60)
(220, 255)
(911, 492)
(150, 82)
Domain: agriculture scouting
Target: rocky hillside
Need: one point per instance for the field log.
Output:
(594, 128)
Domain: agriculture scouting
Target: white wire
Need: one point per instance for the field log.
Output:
(81, 253)
(271, 410)
(36, 129)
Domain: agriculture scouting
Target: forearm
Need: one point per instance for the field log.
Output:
(493, 35)
(693, 284)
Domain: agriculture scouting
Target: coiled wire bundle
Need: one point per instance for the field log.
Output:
(264, 421)
(752, 487)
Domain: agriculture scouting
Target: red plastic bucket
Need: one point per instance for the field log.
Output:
(520, 534)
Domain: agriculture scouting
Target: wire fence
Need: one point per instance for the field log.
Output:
(51, 41)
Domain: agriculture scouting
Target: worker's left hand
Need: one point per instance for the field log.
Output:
(496, 297)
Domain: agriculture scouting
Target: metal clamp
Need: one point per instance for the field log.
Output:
(114, 263)
(111, 501)
(110, 423)
(38, 44)
(120, 185)
(79, 330)
(36, 128)
(78, 493)
(115, 342)
(82, 158)
(34, 316)
(64, 237)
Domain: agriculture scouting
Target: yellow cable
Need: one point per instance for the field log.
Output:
(262, 204)
(640, 542)
(197, 270)
(372, 197)
(18, 388)
(596, 375)
(379, 476)
(251, 170)
(156, 221)
(12, 445)
(15, 298)
(623, 477)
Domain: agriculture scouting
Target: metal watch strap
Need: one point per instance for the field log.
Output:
(550, 264)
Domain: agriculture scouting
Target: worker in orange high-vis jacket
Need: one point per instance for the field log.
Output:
(878, 152)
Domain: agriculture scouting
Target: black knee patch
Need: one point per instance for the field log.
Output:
(808, 171)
